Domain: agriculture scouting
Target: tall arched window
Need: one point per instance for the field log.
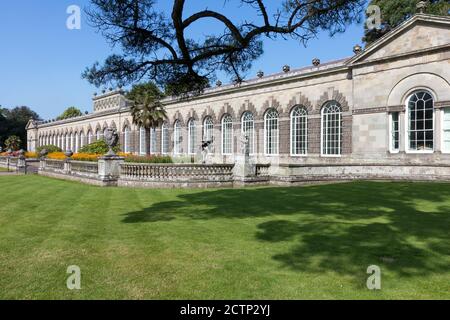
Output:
(177, 137)
(153, 141)
(89, 137)
(331, 141)
(67, 141)
(420, 120)
(208, 128)
(164, 138)
(81, 139)
(126, 139)
(191, 134)
(98, 134)
(72, 141)
(142, 140)
(299, 131)
(271, 132)
(227, 135)
(248, 129)
(77, 143)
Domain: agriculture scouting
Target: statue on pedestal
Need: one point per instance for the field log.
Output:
(111, 139)
(245, 144)
(205, 150)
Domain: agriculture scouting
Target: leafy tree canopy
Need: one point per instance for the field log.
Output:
(395, 12)
(158, 46)
(70, 112)
(13, 122)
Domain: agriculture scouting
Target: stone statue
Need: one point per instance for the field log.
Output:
(245, 144)
(111, 139)
(205, 150)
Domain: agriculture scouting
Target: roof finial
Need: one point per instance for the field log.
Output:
(422, 6)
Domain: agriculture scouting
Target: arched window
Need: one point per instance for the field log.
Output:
(191, 134)
(420, 122)
(177, 137)
(331, 141)
(98, 134)
(72, 142)
(227, 135)
(81, 139)
(164, 138)
(67, 141)
(299, 131)
(126, 139)
(271, 132)
(248, 129)
(208, 128)
(77, 143)
(153, 140)
(89, 137)
(142, 140)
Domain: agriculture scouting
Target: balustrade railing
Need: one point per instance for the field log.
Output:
(176, 172)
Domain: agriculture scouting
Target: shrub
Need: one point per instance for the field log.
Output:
(148, 159)
(50, 149)
(13, 143)
(98, 147)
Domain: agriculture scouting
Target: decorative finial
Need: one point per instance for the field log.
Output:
(357, 49)
(286, 69)
(260, 74)
(218, 83)
(422, 6)
(316, 62)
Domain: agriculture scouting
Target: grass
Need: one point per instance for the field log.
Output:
(312, 242)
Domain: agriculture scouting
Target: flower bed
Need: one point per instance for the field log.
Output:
(128, 157)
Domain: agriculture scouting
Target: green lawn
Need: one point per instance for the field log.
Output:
(260, 243)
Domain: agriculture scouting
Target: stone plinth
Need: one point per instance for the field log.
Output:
(244, 167)
(109, 169)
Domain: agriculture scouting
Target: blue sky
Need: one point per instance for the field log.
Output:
(41, 61)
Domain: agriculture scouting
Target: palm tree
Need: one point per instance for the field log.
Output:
(147, 110)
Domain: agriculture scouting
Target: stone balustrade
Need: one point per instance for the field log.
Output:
(177, 172)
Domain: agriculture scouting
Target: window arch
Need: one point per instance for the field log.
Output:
(126, 139)
(248, 128)
(82, 141)
(177, 137)
(191, 134)
(153, 140)
(164, 138)
(420, 122)
(208, 128)
(77, 142)
(299, 131)
(271, 132)
(72, 142)
(227, 135)
(331, 138)
(142, 140)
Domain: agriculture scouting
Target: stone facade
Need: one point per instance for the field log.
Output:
(368, 88)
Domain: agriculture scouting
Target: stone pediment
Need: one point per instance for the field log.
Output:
(421, 32)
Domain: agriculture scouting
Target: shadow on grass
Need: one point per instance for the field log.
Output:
(339, 228)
